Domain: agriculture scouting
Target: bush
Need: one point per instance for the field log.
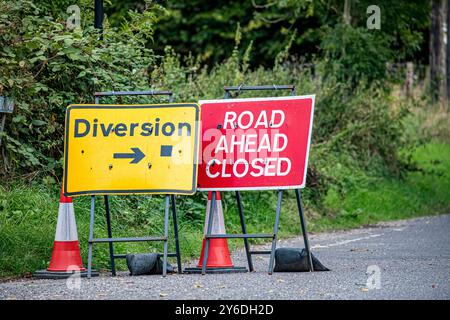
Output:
(46, 66)
(355, 55)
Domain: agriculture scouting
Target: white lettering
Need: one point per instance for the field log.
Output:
(250, 120)
(230, 118)
(262, 120)
(272, 118)
(276, 139)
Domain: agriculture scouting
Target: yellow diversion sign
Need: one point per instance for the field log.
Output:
(131, 149)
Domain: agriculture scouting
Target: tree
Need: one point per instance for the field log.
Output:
(206, 28)
(448, 53)
(438, 52)
(347, 16)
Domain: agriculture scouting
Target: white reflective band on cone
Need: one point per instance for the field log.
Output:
(218, 226)
(66, 228)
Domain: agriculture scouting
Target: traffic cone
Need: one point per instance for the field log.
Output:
(66, 257)
(219, 259)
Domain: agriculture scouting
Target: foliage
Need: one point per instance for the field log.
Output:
(46, 66)
(355, 55)
(390, 199)
(206, 28)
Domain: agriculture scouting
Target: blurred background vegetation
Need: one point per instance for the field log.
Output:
(381, 140)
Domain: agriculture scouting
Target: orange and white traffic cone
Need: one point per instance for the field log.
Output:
(66, 257)
(219, 259)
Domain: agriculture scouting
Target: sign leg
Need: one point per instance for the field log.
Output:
(303, 224)
(91, 237)
(175, 231)
(209, 230)
(275, 231)
(166, 234)
(111, 245)
(244, 231)
(2, 126)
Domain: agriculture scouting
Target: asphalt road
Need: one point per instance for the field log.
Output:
(407, 259)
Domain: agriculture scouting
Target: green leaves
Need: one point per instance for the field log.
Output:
(355, 55)
(38, 122)
(18, 119)
(45, 66)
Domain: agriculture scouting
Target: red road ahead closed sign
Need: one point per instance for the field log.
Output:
(255, 144)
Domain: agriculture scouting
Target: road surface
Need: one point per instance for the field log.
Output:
(408, 259)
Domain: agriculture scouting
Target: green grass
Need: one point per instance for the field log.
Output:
(28, 213)
(423, 192)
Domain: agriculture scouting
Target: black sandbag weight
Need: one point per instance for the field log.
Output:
(146, 264)
(295, 260)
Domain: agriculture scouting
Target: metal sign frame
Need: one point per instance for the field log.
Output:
(245, 235)
(6, 106)
(172, 204)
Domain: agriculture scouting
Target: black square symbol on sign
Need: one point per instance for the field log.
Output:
(166, 151)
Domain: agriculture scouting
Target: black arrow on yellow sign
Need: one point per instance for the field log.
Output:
(137, 155)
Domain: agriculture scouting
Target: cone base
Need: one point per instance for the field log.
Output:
(46, 274)
(218, 254)
(197, 270)
(66, 257)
